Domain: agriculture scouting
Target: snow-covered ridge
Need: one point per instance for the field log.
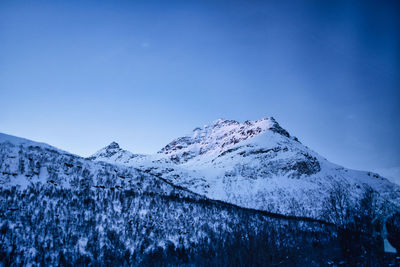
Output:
(19, 141)
(25, 163)
(220, 136)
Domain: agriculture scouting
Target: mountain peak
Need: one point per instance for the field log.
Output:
(113, 153)
(219, 136)
(113, 145)
(223, 122)
(107, 151)
(275, 127)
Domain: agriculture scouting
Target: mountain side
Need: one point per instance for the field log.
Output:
(258, 164)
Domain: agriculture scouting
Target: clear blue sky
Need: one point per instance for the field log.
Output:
(80, 74)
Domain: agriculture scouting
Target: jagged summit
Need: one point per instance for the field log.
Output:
(113, 145)
(113, 153)
(223, 122)
(218, 137)
(107, 152)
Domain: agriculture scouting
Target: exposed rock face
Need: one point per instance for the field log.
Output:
(218, 137)
(278, 129)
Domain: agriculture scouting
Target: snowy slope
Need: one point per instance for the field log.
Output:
(255, 164)
(24, 162)
(18, 141)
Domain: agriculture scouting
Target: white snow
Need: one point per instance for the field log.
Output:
(18, 141)
(223, 164)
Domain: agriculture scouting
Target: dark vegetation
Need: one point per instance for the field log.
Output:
(393, 230)
(51, 226)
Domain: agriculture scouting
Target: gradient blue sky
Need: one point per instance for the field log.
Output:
(80, 74)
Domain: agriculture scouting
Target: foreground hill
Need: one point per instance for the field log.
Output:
(24, 163)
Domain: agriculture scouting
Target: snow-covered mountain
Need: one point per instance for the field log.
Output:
(117, 208)
(59, 209)
(255, 164)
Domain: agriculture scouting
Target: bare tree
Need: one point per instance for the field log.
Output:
(337, 205)
(393, 230)
(368, 213)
